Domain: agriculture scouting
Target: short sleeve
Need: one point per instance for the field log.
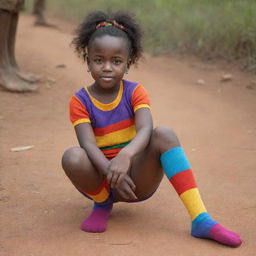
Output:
(140, 98)
(77, 112)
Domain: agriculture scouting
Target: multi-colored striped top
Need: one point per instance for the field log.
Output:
(112, 123)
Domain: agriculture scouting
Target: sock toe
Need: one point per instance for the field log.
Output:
(96, 222)
(206, 227)
(224, 236)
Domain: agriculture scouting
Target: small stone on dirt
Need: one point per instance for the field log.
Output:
(251, 85)
(61, 66)
(22, 148)
(48, 85)
(201, 81)
(226, 78)
(51, 80)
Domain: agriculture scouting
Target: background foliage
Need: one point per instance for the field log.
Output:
(211, 29)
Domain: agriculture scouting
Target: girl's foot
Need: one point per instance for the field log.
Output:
(97, 221)
(205, 227)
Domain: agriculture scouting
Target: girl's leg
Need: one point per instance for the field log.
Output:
(89, 182)
(146, 174)
(146, 170)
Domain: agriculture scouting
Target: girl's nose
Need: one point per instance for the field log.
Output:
(107, 66)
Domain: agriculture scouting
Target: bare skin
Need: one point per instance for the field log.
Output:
(11, 49)
(9, 78)
(86, 177)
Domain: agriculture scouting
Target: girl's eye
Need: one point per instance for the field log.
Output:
(98, 61)
(117, 62)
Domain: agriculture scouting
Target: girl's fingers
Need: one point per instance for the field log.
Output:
(132, 195)
(124, 195)
(114, 180)
(109, 177)
(130, 182)
(120, 179)
(127, 190)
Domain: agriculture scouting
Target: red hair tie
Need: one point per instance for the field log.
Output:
(110, 23)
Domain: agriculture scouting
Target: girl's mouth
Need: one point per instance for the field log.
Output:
(106, 78)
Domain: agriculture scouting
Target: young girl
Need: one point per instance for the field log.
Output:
(121, 156)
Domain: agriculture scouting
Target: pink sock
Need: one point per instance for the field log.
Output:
(224, 236)
(97, 221)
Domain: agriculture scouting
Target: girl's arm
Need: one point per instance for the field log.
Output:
(121, 163)
(87, 141)
(144, 127)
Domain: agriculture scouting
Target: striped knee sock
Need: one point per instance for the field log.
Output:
(103, 203)
(177, 168)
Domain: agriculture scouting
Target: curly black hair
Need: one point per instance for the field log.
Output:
(87, 32)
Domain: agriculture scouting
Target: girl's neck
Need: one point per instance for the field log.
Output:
(99, 90)
(103, 95)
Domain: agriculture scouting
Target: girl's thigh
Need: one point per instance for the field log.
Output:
(146, 172)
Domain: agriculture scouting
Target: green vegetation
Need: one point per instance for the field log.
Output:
(211, 29)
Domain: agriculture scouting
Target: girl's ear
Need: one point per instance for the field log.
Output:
(88, 64)
(87, 60)
(128, 64)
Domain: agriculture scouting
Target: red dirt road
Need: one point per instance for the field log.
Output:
(216, 123)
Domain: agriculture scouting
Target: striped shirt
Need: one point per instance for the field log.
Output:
(112, 123)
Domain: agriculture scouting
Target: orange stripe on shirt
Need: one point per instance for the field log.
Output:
(77, 110)
(139, 97)
(111, 152)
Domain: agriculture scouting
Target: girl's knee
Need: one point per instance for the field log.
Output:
(79, 169)
(72, 158)
(165, 138)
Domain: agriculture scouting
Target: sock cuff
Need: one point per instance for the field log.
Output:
(174, 161)
(101, 194)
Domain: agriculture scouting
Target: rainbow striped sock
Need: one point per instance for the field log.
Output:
(178, 170)
(103, 203)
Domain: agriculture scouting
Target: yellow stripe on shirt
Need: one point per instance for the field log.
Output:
(80, 121)
(117, 137)
(141, 106)
(111, 105)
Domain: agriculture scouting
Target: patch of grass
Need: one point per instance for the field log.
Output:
(211, 29)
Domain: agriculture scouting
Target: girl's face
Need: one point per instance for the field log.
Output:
(107, 60)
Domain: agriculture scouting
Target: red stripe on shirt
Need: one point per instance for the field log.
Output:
(113, 127)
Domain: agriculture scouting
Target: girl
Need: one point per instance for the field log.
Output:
(121, 156)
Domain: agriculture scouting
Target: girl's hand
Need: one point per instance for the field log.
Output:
(126, 189)
(118, 169)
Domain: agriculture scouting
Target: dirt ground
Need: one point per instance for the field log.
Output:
(40, 209)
